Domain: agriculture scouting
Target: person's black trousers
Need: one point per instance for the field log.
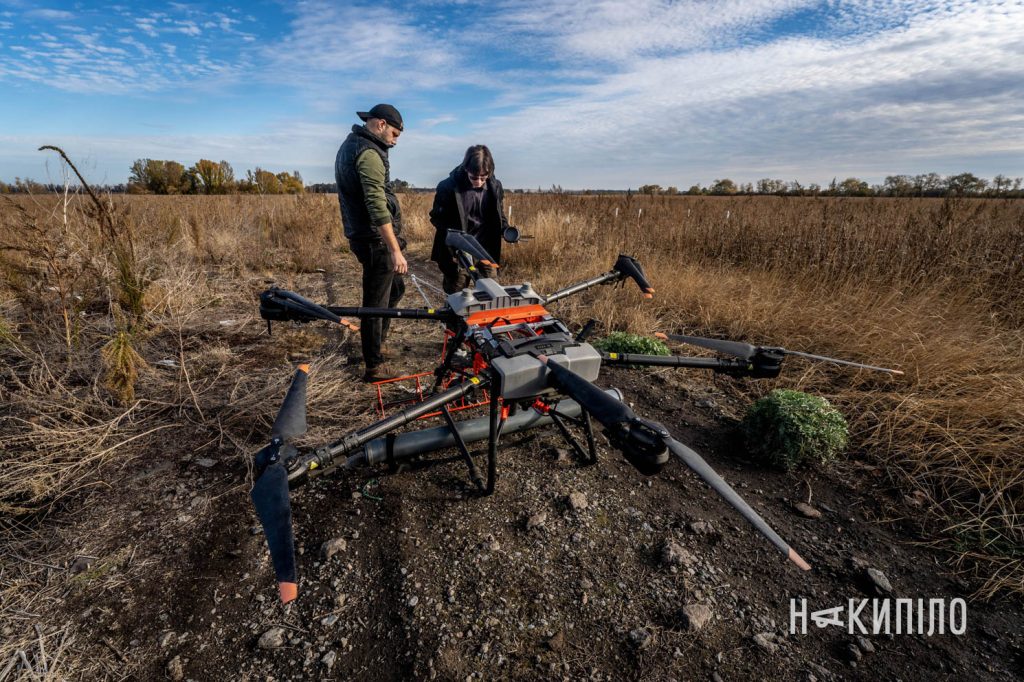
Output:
(382, 288)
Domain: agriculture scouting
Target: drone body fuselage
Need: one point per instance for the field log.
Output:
(509, 327)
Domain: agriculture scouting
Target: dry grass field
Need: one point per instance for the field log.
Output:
(93, 295)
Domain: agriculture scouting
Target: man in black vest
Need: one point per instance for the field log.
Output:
(373, 223)
(470, 199)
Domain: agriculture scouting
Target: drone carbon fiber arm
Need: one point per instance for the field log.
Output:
(762, 366)
(280, 305)
(625, 266)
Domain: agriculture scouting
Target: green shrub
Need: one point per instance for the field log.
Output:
(790, 428)
(624, 342)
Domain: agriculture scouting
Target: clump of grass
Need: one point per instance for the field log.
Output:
(790, 428)
(121, 364)
(625, 342)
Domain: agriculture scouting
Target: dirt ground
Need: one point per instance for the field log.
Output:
(165, 574)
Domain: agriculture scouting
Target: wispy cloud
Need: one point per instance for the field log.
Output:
(599, 93)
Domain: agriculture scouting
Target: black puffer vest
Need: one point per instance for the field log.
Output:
(354, 216)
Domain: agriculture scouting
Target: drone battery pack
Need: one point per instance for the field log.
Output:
(524, 376)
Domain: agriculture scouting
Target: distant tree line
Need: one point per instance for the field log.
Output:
(924, 185)
(153, 176)
(156, 176)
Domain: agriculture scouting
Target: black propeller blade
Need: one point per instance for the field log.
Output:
(711, 477)
(466, 242)
(630, 267)
(270, 490)
(747, 352)
(644, 444)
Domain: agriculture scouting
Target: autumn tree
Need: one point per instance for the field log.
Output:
(853, 187)
(899, 186)
(769, 186)
(210, 177)
(928, 184)
(157, 177)
(965, 184)
(724, 186)
(649, 190)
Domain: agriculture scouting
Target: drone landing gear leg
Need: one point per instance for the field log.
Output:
(589, 457)
(497, 420)
(474, 473)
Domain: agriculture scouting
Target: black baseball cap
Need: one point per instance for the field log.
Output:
(385, 112)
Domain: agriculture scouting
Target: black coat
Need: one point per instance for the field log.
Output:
(448, 214)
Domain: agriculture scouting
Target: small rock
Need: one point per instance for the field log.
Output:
(80, 565)
(328, 659)
(167, 362)
(851, 653)
(332, 547)
(536, 521)
(329, 620)
(413, 601)
(879, 580)
(765, 641)
(916, 499)
(641, 638)
(273, 638)
(226, 323)
(674, 554)
(165, 639)
(715, 677)
(175, 669)
(820, 670)
(206, 462)
(695, 617)
(557, 642)
(701, 528)
(577, 501)
(865, 645)
(706, 403)
(340, 600)
(807, 510)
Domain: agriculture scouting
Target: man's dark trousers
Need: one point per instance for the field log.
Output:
(382, 288)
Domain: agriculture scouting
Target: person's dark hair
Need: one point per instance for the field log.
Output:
(478, 160)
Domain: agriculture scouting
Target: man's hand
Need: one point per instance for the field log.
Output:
(401, 265)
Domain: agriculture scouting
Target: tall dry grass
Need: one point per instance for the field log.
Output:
(929, 286)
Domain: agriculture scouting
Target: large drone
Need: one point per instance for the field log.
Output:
(503, 349)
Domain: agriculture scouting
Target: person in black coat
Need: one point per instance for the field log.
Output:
(470, 199)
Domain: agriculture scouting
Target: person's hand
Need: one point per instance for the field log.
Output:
(401, 265)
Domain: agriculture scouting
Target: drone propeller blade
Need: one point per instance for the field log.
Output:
(291, 418)
(642, 441)
(744, 351)
(270, 490)
(466, 242)
(630, 267)
(840, 362)
(270, 497)
(711, 477)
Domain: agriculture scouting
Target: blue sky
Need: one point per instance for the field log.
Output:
(584, 94)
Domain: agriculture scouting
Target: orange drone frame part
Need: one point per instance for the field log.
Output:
(523, 313)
